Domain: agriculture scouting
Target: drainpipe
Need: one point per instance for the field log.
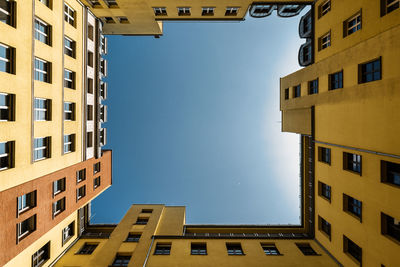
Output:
(148, 252)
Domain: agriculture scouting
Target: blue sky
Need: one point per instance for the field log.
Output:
(194, 120)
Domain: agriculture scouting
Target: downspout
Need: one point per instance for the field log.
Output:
(148, 252)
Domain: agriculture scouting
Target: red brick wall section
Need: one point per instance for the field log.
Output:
(9, 246)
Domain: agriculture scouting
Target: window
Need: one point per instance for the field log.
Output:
(108, 20)
(336, 80)
(147, 211)
(162, 249)
(26, 202)
(69, 79)
(370, 71)
(306, 249)
(103, 44)
(45, 2)
(160, 11)
(390, 227)
(90, 59)
(351, 249)
(80, 175)
(324, 8)
(42, 70)
(352, 205)
(207, 11)
(270, 249)
(69, 47)
(390, 172)
(90, 32)
(324, 154)
(88, 248)
(142, 221)
(41, 148)
(324, 190)
(41, 256)
(324, 226)
(133, 237)
(112, 3)
(123, 20)
(7, 12)
(352, 162)
(89, 112)
(7, 103)
(6, 155)
(324, 41)
(94, 3)
(89, 139)
(234, 249)
(69, 15)
(352, 25)
(121, 260)
(69, 143)
(80, 192)
(6, 58)
(26, 227)
(231, 11)
(69, 111)
(103, 90)
(297, 91)
(68, 232)
(313, 87)
(90, 86)
(42, 31)
(103, 66)
(96, 182)
(198, 249)
(286, 93)
(58, 186)
(184, 11)
(388, 6)
(58, 206)
(42, 109)
(96, 168)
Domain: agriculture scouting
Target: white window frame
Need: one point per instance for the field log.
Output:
(23, 204)
(70, 19)
(67, 111)
(160, 11)
(6, 60)
(65, 233)
(78, 196)
(58, 211)
(184, 11)
(232, 11)
(5, 11)
(41, 109)
(71, 49)
(45, 148)
(4, 155)
(36, 255)
(79, 178)
(327, 9)
(69, 79)
(207, 10)
(327, 42)
(69, 143)
(58, 182)
(98, 178)
(46, 26)
(42, 71)
(5, 107)
(355, 25)
(20, 235)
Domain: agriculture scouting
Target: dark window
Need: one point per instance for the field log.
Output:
(58, 186)
(96, 182)
(231, 11)
(352, 25)
(41, 256)
(89, 139)
(297, 91)
(313, 87)
(390, 172)
(184, 11)
(69, 47)
(234, 249)
(352, 162)
(388, 6)
(352, 205)
(207, 11)
(69, 15)
(324, 41)
(26, 202)
(6, 58)
(80, 175)
(7, 107)
(96, 168)
(90, 59)
(142, 221)
(270, 249)
(324, 154)
(109, 20)
(42, 31)
(112, 3)
(147, 211)
(69, 79)
(350, 248)
(26, 227)
(123, 20)
(306, 249)
(324, 226)
(390, 226)
(160, 11)
(68, 232)
(69, 143)
(69, 111)
(370, 71)
(336, 80)
(121, 260)
(88, 248)
(6, 155)
(80, 192)
(7, 12)
(162, 249)
(198, 249)
(324, 190)
(42, 109)
(286, 93)
(58, 206)
(42, 70)
(132, 238)
(42, 148)
(90, 86)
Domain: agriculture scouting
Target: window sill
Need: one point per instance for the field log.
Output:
(354, 215)
(392, 239)
(353, 172)
(353, 259)
(327, 163)
(324, 197)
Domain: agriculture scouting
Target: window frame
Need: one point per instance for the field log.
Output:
(67, 233)
(39, 35)
(46, 72)
(184, 11)
(163, 249)
(323, 44)
(390, 177)
(385, 7)
(307, 249)
(71, 48)
(352, 163)
(312, 89)
(8, 107)
(142, 221)
(323, 189)
(70, 19)
(324, 155)
(59, 186)
(96, 182)
(207, 11)
(347, 30)
(10, 14)
(335, 84)
(8, 155)
(25, 204)
(88, 248)
(133, 237)
(9, 61)
(362, 74)
(46, 148)
(69, 143)
(232, 11)
(323, 11)
(346, 242)
(198, 248)
(80, 193)
(59, 206)
(69, 79)
(69, 111)
(31, 221)
(160, 11)
(350, 205)
(324, 227)
(96, 168)
(80, 175)
(270, 249)
(43, 251)
(38, 110)
(234, 249)
(297, 91)
(121, 260)
(387, 224)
